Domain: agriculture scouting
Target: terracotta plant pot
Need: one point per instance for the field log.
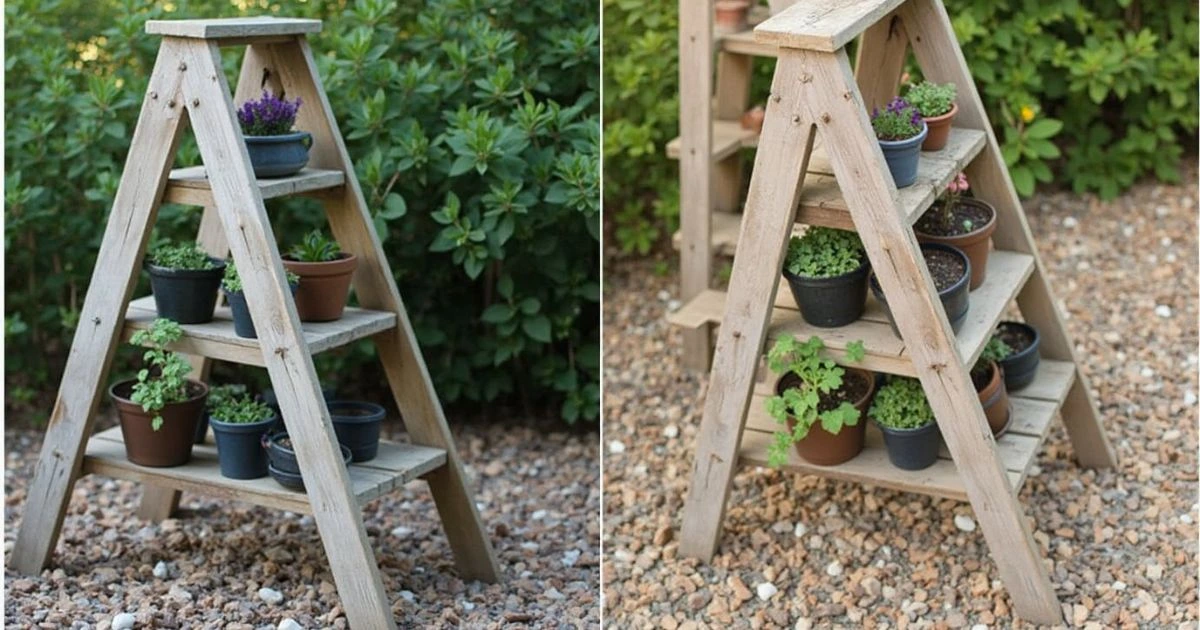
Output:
(172, 444)
(975, 244)
(994, 398)
(752, 120)
(730, 15)
(324, 286)
(823, 448)
(939, 130)
(1020, 367)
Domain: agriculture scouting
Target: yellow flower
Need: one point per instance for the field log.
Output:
(1026, 113)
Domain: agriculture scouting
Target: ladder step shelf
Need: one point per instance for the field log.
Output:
(189, 185)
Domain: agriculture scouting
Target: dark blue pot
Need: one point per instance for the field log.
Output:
(903, 156)
(278, 156)
(357, 426)
(1020, 368)
(243, 325)
(187, 296)
(283, 466)
(239, 447)
(912, 449)
(956, 299)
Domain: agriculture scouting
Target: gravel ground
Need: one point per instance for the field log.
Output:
(537, 490)
(806, 552)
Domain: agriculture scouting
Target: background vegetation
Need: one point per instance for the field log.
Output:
(1088, 94)
(473, 125)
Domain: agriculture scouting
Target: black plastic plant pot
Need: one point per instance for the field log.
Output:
(956, 299)
(328, 392)
(282, 464)
(912, 449)
(1020, 367)
(202, 429)
(830, 302)
(239, 447)
(243, 325)
(357, 426)
(187, 296)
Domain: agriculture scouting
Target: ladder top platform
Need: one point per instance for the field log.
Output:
(824, 25)
(227, 28)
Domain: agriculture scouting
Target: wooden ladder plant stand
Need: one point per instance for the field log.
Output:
(814, 92)
(188, 85)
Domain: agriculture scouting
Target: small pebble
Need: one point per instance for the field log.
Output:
(402, 532)
(289, 624)
(1162, 310)
(964, 522)
(123, 621)
(616, 447)
(800, 530)
(833, 569)
(670, 432)
(160, 570)
(270, 595)
(765, 591)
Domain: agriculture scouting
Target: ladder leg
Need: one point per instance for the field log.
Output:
(941, 59)
(770, 213)
(160, 502)
(335, 508)
(151, 154)
(376, 289)
(857, 160)
(734, 73)
(882, 50)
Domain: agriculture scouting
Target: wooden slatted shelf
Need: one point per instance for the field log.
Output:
(217, 340)
(395, 465)
(728, 137)
(743, 44)
(1007, 273)
(190, 185)
(1033, 410)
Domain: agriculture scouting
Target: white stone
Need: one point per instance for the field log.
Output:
(782, 527)
(1118, 585)
(834, 569)
(570, 557)
(408, 596)
(670, 432)
(270, 595)
(289, 624)
(538, 515)
(1161, 211)
(1189, 398)
(766, 591)
(123, 621)
(529, 546)
(1147, 372)
(1186, 519)
(402, 532)
(803, 623)
(964, 523)
(1127, 231)
(1162, 310)
(468, 606)
(979, 626)
(160, 570)
(1154, 572)
(623, 555)
(1070, 222)
(554, 594)
(801, 530)
(673, 305)
(1172, 435)
(664, 295)
(616, 447)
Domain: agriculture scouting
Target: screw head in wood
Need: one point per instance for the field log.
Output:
(182, 66)
(195, 102)
(825, 118)
(171, 103)
(153, 95)
(806, 77)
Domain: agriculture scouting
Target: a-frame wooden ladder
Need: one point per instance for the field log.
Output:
(814, 92)
(188, 85)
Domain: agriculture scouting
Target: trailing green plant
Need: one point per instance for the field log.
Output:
(817, 375)
(996, 350)
(241, 410)
(897, 121)
(901, 404)
(315, 247)
(182, 256)
(931, 99)
(232, 281)
(164, 379)
(823, 252)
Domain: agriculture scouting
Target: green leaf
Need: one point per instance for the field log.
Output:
(394, 207)
(1043, 128)
(497, 313)
(537, 327)
(855, 351)
(1022, 180)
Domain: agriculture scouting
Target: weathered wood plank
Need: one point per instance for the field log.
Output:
(822, 25)
(879, 62)
(190, 185)
(1054, 379)
(239, 27)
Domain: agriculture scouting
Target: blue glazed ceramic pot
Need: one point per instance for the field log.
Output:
(278, 156)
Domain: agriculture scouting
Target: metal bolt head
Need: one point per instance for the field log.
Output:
(182, 66)
(195, 102)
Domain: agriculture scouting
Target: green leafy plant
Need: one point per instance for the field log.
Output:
(183, 256)
(315, 247)
(931, 99)
(901, 404)
(995, 350)
(898, 121)
(232, 281)
(241, 410)
(817, 375)
(164, 380)
(219, 394)
(823, 252)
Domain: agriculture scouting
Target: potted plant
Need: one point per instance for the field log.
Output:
(819, 401)
(964, 222)
(282, 463)
(184, 281)
(357, 426)
(752, 119)
(988, 379)
(951, 272)
(243, 325)
(1021, 366)
(239, 423)
(826, 270)
(325, 273)
(900, 131)
(160, 408)
(275, 149)
(730, 15)
(904, 417)
(217, 394)
(935, 102)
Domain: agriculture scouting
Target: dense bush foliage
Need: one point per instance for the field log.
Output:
(473, 125)
(1090, 94)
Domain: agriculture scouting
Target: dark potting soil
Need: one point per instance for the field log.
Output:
(945, 267)
(981, 377)
(1016, 338)
(853, 388)
(931, 221)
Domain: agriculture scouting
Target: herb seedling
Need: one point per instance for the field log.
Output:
(164, 380)
(899, 121)
(901, 404)
(241, 410)
(818, 375)
(315, 248)
(218, 394)
(268, 116)
(932, 99)
(183, 256)
(233, 282)
(995, 350)
(823, 253)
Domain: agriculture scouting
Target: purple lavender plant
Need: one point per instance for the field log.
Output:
(268, 116)
(900, 121)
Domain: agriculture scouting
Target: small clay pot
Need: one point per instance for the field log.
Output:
(1020, 367)
(994, 398)
(975, 244)
(730, 15)
(171, 445)
(752, 120)
(939, 130)
(324, 287)
(823, 448)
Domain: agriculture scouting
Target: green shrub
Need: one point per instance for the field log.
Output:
(473, 127)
